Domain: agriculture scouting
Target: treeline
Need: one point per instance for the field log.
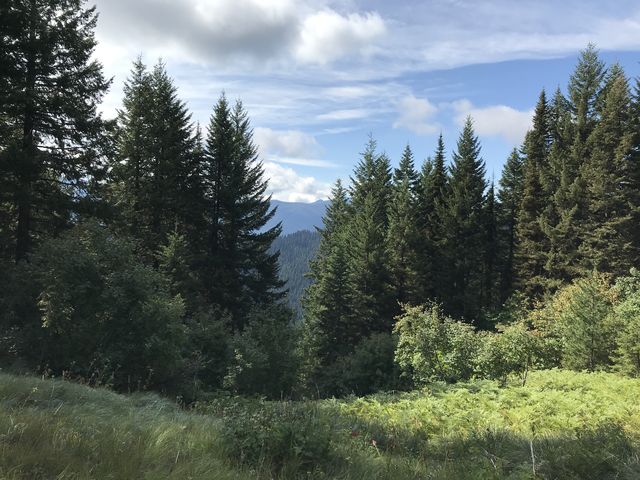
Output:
(132, 251)
(567, 204)
(296, 250)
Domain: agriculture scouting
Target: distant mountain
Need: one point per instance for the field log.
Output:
(296, 216)
(296, 250)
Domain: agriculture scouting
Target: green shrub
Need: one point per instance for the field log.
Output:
(511, 350)
(264, 358)
(626, 321)
(432, 346)
(107, 317)
(285, 438)
(370, 368)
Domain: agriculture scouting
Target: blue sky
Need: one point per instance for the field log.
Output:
(317, 76)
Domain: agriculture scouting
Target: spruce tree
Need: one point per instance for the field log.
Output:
(464, 243)
(530, 254)
(432, 192)
(240, 272)
(490, 284)
(403, 233)
(371, 301)
(50, 86)
(508, 208)
(327, 300)
(558, 221)
(565, 222)
(158, 169)
(610, 176)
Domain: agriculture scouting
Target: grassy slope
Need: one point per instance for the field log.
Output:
(578, 425)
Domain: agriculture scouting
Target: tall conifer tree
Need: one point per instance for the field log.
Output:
(52, 134)
(509, 200)
(610, 176)
(241, 273)
(328, 332)
(403, 233)
(372, 302)
(530, 254)
(464, 235)
(432, 193)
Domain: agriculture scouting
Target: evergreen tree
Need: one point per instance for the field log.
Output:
(369, 280)
(327, 300)
(464, 236)
(530, 255)
(432, 192)
(403, 233)
(241, 273)
(51, 131)
(610, 177)
(158, 168)
(564, 221)
(508, 208)
(490, 281)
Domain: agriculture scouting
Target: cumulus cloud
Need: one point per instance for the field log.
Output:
(285, 184)
(286, 142)
(499, 120)
(416, 115)
(289, 146)
(230, 32)
(327, 35)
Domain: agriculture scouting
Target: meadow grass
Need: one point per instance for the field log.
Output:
(562, 425)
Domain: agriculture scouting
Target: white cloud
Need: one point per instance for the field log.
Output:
(415, 115)
(292, 143)
(345, 114)
(327, 36)
(285, 184)
(237, 33)
(289, 146)
(499, 120)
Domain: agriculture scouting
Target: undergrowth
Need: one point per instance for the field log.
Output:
(562, 425)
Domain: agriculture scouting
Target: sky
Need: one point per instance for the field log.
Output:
(317, 77)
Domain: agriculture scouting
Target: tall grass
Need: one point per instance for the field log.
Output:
(562, 425)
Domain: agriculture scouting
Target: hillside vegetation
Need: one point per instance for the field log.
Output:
(560, 425)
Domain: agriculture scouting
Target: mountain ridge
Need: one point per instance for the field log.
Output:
(297, 216)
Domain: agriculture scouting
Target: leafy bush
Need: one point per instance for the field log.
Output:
(432, 346)
(512, 350)
(284, 437)
(107, 317)
(264, 355)
(369, 369)
(576, 325)
(626, 321)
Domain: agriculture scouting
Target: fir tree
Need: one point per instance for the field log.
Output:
(403, 233)
(464, 236)
(369, 281)
(559, 182)
(52, 134)
(508, 208)
(611, 192)
(327, 300)
(530, 254)
(241, 273)
(432, 192)
(158, 169)
(490, 282)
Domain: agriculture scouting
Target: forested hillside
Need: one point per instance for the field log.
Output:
(155, 322)
(544, 257)
(296, 251)
(297, 216)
